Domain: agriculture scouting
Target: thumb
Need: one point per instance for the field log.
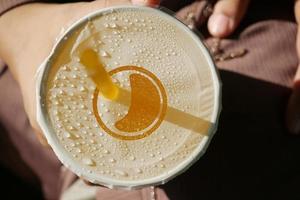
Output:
(226, 16)
(145, 2)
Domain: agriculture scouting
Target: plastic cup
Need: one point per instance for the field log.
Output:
(189, 99)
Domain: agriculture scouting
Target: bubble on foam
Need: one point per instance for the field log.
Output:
(132, 158)
(104, 53)
(74, 76)
(78, 150)
(67, 134)
(113, 25)
(121, 172)
(72, 144)
(92, 141)
(88, 161)
(91, 134)
(138, 171)
(106, 151)
(81, 88)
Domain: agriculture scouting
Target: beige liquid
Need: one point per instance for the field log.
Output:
(86, 115)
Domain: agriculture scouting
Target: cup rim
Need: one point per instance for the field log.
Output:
(64, 156)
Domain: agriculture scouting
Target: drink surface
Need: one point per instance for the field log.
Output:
(158, 110)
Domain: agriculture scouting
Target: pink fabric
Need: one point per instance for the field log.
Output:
(13, 117)
(271, 53)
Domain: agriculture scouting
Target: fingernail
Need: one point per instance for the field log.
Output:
(219, 25)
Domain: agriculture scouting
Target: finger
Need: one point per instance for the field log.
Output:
(146, 2)
(41, 139)
(226, 16)
(88, 182)
(40, 136)
(293, 107)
